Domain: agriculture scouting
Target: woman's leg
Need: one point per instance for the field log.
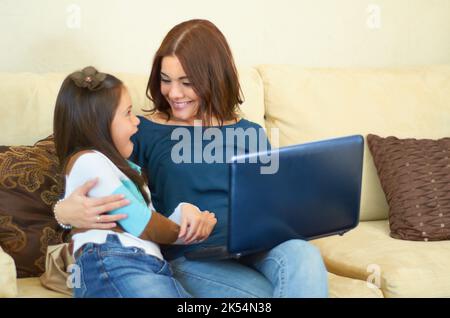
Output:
(111, 270)
(295, 268)
(225, 279)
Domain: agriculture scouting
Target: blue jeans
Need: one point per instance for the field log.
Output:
(292, 269)
(112, 270)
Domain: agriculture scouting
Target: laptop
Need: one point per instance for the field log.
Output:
(314, 193)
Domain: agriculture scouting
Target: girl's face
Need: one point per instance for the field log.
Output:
(178, 91)
(124, 125)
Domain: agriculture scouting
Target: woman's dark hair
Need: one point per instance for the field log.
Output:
(85, 107)
(207, 60)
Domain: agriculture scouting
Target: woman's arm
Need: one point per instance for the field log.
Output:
(85, 212)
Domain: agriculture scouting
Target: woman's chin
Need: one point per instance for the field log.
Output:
(186, 115)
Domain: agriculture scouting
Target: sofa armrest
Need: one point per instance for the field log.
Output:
(8, 276)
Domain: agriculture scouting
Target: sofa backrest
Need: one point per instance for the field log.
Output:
(304, 104)
(28, 101)
(314, 104)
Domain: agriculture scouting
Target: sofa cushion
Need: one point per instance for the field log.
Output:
(345, 287)
(400, 268)
(339, 287)
(32, 288)
(313, 104)
(29, 185)
(28, 101)
(8, 282)
(415, 176)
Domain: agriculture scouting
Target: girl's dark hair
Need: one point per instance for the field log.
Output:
(207, 60)
(85, 107)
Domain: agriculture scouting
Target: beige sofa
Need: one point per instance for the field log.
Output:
(306, 105)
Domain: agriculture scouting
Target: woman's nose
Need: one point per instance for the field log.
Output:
(175, 91)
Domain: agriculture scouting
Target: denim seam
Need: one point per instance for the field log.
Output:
(163, 266)
(214, 282)
(103, 271)
(127, 252)
(174, 283)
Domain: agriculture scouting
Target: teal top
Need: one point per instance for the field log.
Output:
(181, 166)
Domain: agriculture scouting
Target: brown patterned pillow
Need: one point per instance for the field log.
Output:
(415, 176)
(30, 184)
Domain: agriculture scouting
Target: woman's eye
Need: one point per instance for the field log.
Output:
(165, 80)
(187, 84)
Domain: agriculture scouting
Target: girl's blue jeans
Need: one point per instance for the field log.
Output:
(112, 270)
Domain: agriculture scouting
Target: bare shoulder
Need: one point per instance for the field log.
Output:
(149, 116)
(74, 158)
(157, 117)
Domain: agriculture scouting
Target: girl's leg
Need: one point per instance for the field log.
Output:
(90, 283)
(225, 279)
(111, 270)
(295, 268)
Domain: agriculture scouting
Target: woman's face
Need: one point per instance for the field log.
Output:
(178, 91)
(124, 125)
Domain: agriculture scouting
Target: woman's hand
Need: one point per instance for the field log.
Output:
(83, 212)
(196, 226)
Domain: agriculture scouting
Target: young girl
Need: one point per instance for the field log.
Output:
(93, 124)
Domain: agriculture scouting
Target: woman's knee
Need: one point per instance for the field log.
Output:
(299, 251)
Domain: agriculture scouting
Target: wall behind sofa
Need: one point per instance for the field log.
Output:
(122, 35)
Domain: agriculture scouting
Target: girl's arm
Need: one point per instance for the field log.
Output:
(141, 221)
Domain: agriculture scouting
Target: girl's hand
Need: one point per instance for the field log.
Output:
(83, 212)
(196, 226)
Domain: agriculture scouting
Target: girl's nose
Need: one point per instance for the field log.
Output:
(137, 121)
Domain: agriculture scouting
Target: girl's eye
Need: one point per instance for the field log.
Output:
(165, 80)
(187, 84)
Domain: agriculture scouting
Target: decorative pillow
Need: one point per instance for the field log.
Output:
(415, 176)
(30, 184)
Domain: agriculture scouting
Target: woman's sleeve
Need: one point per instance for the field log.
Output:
(141, 221)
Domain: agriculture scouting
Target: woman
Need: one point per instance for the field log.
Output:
(194, 85)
